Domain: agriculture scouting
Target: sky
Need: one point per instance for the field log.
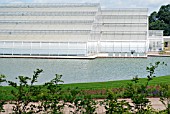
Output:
(152, 5)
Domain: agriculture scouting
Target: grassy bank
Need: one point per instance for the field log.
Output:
(116, 84)
(96, 89)
(107, 85)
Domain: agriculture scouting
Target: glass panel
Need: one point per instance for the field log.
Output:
(125, 44)
(17, 44)
(25, 51)
(72, 52)
(141, 49)
(16, 51)
(103, 44)
(53, 51)
(126, 49)
(35, 45)
(44, 51)
(81, 52)
(54, 45)
(7, 51)
(109, 49)
(63, 46)
(72, 45)
(109, 44)
(26, 45)
(117, 44)
(44, 45)
(1, 44)
(35, 51)
(81, 45)
(8, 45)
(63, 52)
(1, 51)
(117, 49)
(133, 48)
(133, 44)
(141, 44)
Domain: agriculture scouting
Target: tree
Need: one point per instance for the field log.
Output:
(158, 25)
(161, 20)
(164, 13)
(153, 17)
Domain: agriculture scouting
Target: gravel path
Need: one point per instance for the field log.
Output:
(156, 104)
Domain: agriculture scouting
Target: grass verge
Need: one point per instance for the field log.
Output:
(96, 89)
(116, 84)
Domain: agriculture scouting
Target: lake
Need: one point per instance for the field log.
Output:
(82, 70)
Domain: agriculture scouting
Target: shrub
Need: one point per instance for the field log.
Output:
(2, 102)
(24, 93)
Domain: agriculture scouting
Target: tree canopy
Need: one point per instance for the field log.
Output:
(161, 20)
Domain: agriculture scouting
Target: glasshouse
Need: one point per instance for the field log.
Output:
(72, 30)
(155, 40)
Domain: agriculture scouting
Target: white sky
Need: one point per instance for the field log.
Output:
(152, 5)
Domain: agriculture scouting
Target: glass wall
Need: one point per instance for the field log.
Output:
(71, 30)
(43, 48)
(155, 40)
(118, 46)
(123, 32)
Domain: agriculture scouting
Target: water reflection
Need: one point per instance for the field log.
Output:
(77, 71)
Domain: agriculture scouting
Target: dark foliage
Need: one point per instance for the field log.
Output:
(161, 20)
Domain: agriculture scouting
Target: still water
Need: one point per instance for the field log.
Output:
(82, 70)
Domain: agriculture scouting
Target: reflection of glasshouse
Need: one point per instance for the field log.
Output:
(72, 30)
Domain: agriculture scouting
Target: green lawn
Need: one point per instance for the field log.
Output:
(109, 84)
(116, 84)
(95, 86)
